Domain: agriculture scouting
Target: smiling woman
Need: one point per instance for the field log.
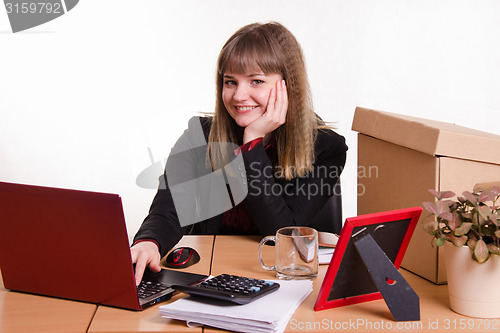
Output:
(264, 109)
(272, 51)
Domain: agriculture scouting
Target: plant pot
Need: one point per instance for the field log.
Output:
(473, 288)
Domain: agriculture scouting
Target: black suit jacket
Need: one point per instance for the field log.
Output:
(272, 202)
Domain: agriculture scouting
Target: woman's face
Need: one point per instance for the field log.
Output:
(245, 96)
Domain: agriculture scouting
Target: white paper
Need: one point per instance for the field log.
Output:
(270, 313)
(325, 255)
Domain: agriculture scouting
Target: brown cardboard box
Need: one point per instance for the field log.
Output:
(401, 157)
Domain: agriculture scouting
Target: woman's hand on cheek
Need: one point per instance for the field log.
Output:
(274, 117)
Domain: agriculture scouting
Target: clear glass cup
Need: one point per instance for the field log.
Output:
(296, 253)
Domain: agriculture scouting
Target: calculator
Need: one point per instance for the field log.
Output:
(231, 288)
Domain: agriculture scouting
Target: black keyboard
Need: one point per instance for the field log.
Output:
(232, 288)
(147, 289)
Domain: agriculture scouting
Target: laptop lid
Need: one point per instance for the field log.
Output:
(69, 244)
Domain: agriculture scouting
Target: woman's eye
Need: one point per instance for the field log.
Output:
(257, 81)
(230, 83)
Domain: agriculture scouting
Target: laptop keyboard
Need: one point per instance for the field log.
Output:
(147, 288)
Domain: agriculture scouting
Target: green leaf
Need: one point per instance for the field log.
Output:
(455, 221)
(458, 241)
(494, 218)
(463, 229)
(442, 194)
(493, 249)
(481, 251)
(497, 220)
(446, 216)
(435, 193)
(430, 207)
(440, 241)
(431, 227)
(471, 243)
(447, 194)
(470, 197)
(485, 212)
(486, 196)
(441, 208)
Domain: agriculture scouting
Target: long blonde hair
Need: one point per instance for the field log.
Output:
(270, 48)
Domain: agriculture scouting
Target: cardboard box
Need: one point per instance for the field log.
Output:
(401, 157)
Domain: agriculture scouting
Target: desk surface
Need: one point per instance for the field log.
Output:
(237, 255)
(29, 313)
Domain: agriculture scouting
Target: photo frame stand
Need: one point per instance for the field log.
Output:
(401, 299)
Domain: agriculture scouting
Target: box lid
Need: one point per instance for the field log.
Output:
(428, 136)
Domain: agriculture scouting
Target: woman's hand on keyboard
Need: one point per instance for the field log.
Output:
(144, 254)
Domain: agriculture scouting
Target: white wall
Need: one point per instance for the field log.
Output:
(83, 96)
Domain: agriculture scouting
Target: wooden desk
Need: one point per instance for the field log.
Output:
(108, 319)
(238, 255)
(24, 313)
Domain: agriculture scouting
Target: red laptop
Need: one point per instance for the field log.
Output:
(73, 244)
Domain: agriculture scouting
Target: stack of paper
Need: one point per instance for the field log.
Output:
(270, 313)
(327, 243)
(325, 255)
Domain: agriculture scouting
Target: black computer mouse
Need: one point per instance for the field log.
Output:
(182, 257)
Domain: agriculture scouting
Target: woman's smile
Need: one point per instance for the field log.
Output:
(245, 109)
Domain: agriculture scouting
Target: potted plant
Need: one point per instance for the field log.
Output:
(468, 229)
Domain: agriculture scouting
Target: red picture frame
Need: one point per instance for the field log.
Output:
(399, 224)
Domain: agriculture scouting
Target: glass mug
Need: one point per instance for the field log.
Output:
(296, 253)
